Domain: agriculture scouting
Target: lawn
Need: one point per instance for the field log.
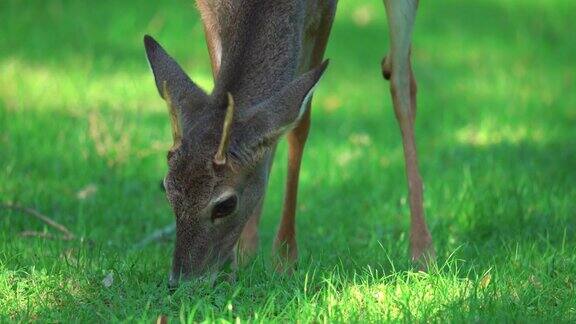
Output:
(84, 134)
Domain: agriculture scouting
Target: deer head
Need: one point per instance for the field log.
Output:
(218, 164)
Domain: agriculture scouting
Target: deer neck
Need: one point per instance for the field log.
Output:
(259, 42)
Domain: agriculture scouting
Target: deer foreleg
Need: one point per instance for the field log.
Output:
(397, 67)
(316, 33)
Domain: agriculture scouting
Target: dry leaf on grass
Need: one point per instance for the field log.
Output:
(108, 280)
(485, 280)
(87, 191)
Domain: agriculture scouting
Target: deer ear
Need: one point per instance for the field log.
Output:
(169, 75)
(275, 116)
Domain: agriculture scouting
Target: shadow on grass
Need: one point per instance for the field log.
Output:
(109, 35)
(483, 197)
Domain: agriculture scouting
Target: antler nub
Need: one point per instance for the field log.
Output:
(220, 157)
(174, 120)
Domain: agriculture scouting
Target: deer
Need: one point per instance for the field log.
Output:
(267, 57)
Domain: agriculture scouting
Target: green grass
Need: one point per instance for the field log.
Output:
(496, 132)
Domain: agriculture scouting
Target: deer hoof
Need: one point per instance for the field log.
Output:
(423, 255)
(285, 257)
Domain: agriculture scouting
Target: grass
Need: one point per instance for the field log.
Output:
(496, 131)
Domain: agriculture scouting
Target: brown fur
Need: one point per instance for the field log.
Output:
(256, 49)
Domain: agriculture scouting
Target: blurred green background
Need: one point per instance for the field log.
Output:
(83, 137)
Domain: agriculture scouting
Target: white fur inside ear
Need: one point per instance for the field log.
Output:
(301, 111)
(218, 48)
(307, 99)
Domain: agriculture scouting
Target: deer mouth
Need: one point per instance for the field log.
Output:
(226, 272)
(213, 268)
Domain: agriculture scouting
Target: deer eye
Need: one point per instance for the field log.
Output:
(225, 207)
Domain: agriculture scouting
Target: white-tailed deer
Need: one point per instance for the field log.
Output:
(266, 59)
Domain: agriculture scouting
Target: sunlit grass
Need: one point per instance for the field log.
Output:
(77, 88)
(83, 135)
